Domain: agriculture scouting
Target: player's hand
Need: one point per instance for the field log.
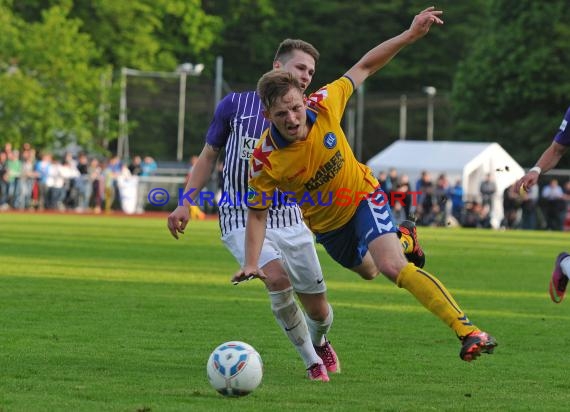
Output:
(247, 273)
(178, 220)
(526, 182)
(422, 22)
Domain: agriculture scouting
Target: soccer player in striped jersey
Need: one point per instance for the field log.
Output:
(306, 155)
(547, 161)
(288, 255)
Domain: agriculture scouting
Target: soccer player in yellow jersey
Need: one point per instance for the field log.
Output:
(305, 154)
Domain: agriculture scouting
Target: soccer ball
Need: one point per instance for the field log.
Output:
(235, 369)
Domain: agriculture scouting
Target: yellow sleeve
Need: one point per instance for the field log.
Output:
(333, 97)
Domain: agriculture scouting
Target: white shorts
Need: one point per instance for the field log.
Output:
(294, 246)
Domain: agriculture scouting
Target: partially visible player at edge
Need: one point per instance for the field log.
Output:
(547, 161)
(305, 152)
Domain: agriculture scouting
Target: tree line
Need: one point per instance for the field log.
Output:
(500, 64)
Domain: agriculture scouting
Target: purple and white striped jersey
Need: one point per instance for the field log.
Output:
(563, 135)
(237, 125)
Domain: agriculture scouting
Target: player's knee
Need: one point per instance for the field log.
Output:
(368, 274)
(276, 284)
(277, 278)
(392, 268)
(282, 298)
(367, 269)
(316, 306)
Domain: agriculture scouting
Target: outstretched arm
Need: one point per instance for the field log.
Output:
(254, 238)
(379, 56)
(199, 176)
(547, 161)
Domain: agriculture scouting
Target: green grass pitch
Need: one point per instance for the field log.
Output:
(110, 313)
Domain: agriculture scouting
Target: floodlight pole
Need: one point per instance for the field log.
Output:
(431, 92)
(219, 82)
(123, 137)
(403, 116)
(181, 113)
(184, 70)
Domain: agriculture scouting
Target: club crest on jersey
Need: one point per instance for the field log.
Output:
(330, 140)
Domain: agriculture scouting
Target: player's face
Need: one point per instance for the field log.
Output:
(301, 65)
(288, 115)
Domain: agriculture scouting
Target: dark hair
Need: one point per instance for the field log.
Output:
(276, 84)
(288, 46)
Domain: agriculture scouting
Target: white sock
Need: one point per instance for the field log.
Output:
(291, 319)
(565, 266)
(318, 329)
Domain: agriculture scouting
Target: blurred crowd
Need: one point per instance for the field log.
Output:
(44, 181)
(439, 202)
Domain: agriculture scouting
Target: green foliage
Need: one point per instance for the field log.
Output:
(513, 86)
(51, 89)
(247, 40)
(503, 61)
(53, 57)
(343, 32)
(147, 35)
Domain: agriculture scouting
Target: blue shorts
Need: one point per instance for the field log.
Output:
(349, 243)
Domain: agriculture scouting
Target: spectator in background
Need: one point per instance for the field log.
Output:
(148, 166)
(391, 180)
(84, 184)
(398, 212)
(55, 183)
(529, 207)
(435, 216)
(566, 190)
(111, 187)
(382, 178)
(42, 171)
(4, 184)
(511, 207)
(14, 166)
(476, 216)
(135, 167)
(455, 193)
(70, 176)
(97, 178)
(554, 205)
(424, 213)
(440, 193)
(422, 183)
(402, 191)
(488, 188)
(27, 177)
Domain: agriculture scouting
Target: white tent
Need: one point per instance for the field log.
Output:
(468, 161)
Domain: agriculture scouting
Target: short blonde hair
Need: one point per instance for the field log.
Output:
(276, 84)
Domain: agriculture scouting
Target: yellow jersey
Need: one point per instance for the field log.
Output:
(320, 173)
